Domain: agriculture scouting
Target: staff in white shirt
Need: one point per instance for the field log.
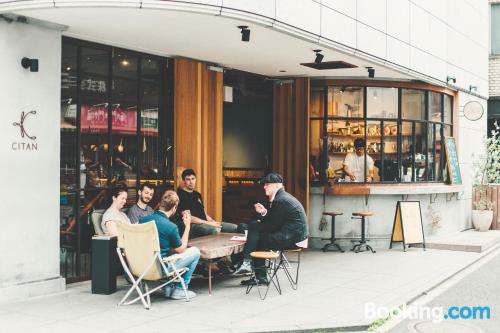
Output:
(354, 163)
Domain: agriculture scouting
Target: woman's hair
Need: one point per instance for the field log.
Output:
(169, 200)
(115, 192)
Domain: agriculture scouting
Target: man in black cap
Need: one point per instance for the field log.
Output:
(356, 163)
(282, 224)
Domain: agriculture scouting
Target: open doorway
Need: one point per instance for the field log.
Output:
(247, 142)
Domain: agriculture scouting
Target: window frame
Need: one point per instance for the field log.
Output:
(432, 174)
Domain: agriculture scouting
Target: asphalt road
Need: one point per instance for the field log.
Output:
(479, 288)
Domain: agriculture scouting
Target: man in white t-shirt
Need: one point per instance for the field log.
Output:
(354, 163)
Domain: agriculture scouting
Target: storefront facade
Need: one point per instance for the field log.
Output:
(133, 105)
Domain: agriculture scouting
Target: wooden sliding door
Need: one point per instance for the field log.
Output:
(198, 129)
(291, 137)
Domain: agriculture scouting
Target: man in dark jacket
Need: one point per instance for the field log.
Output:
(281, 225)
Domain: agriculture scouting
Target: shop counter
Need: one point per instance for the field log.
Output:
(387, 189)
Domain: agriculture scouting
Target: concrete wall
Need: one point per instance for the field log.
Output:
(453, 210)
(29, 237)
(427, 39)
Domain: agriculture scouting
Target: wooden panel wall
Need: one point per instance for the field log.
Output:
(198, 129)
(291, 137)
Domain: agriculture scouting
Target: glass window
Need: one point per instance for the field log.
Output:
(435, 113)
(448, 105)
(420, 157)
(495, 29)
(94, 149)
(317, 103)
(382, 102)
(379, 147)
(68, 117)
(440, 155)
(413, 104)
(388, 165)
(431, 152)
(345, 102)
(124, 119)
(316, 158)
(106, 90)
(151, 162)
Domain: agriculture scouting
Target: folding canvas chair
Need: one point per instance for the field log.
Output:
(139, 252)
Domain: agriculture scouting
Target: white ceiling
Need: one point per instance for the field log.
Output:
(209, 38)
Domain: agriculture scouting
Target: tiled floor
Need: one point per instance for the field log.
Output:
(333, 290)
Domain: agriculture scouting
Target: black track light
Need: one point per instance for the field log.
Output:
(371, 72)
(319, 56)
(245, 33)
(451, 78)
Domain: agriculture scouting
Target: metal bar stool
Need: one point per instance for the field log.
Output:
(271, 269)
(332, 239)
(362, 244)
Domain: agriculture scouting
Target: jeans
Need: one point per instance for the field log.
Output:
(189, 258)
(258, 240)
(198, 230)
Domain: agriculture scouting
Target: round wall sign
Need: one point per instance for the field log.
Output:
(473, 110)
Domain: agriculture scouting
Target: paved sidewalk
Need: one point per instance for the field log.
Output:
(333, 290)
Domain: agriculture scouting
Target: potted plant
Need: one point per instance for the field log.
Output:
(487, 171)
(482, 212)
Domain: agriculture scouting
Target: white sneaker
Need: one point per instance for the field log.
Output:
(178, 293)
(244, 269)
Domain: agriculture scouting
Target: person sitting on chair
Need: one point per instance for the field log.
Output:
(141, 208)
(191, 200)
(282, 225)
(170, 241)
(114, 213)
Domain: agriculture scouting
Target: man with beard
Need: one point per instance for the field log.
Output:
(141, 208)
(190, 199)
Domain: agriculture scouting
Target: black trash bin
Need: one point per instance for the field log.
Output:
(104, 265)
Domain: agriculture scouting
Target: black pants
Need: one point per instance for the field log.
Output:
(258, 240)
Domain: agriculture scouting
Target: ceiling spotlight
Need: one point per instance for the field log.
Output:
(371, 72)
(451, 78)
(245, 33)
(32, 64)
(125, 62)
(472, 88)
(319, 56)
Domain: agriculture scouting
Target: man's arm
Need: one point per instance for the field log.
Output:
(197, 220)
(345, 166)
(370, 172)
(209, 219)
(185, 236)
(348, 172)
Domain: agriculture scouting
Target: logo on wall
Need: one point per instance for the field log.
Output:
(24, 133)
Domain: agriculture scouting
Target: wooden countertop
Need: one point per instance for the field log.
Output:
(386, 189)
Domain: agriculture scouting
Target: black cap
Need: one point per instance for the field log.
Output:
(359, 143)
(271, 178)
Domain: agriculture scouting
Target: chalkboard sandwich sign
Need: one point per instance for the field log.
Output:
(452, 164)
